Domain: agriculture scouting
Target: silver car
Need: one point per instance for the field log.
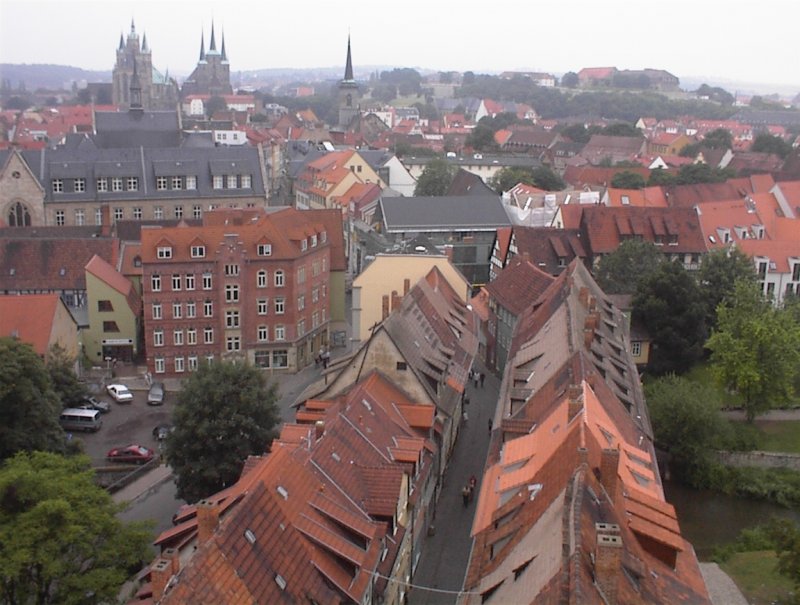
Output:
(156, 394)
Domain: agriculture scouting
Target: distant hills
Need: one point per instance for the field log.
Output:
(49, 77)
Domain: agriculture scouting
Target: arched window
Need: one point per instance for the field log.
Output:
(19, 215)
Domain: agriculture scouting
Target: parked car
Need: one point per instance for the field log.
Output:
(161, 431)
(93, 403)
(136, 454)
(155, 395)
(120, 393)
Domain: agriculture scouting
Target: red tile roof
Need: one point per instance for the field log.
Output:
(17, 313)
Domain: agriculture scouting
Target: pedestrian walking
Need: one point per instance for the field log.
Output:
(476, 378)
(465, 495)
(483, 377)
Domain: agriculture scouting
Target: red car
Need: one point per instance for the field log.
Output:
(137, 454)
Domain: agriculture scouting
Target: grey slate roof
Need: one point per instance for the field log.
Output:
(137, 129)
(446, 213)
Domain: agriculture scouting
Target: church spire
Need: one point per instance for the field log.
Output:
(224, 55)
(348, 70)
(202, 47)
(121, 42)
(212, 47)
(144, 43)
(135, 90)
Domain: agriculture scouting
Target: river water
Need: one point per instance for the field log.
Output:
(709, 519)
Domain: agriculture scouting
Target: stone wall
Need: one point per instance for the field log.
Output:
(760, 459)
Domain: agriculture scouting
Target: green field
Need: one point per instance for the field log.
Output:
(756, 575)
(778, 435)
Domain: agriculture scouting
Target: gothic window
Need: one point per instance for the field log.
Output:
(349, 101)
(19, 216)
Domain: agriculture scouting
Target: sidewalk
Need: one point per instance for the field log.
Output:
(443, 564)
(143, 484)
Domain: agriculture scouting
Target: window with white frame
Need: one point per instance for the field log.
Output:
(315, 295)
(161, 183)
(98, 216)
(58, 185)
(208, 309)
(208, 336)
(198, 251)
(233, 343)
(158, 213)
(301, 327)
(189, 281)
(280, 279)
(191, 309)
(157, 311)
(262, 305)
(176, 282)
(264, 250)
(261, 279)
(301, 302)
(231, 270)
(80, 216)
(280, 358)
(177, 338)
(133, 183)
(179, 364)
(207, 281)
(231, 293)
(210, 358)
(119, 214)
(636, 349)
(246, 181)
(158, 338)
(116, 184)
(155, 283)
(160, 366)
(301, 275)
(177, 310)
(323, 237)
(197, 211)
(137, 214)
(262, 333)
(191, 182)
(216, 182)
(191, 336)
(304, 244)
(177, 212)
(280, 332)
(231, 319)
(102, 185)
(315, 320)
(262, 359)
(177, 182)
(60, 218)
(79, 185)
(164, 252)
(231, 181)
(192, 359)
(280, 305)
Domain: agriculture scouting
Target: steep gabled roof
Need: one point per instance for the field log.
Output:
(29, 318)
(518, 285)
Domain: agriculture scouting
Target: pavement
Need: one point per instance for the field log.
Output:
(143, 485)
(721, 589)
(442, 568)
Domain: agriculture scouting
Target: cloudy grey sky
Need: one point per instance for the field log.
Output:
(729, 40)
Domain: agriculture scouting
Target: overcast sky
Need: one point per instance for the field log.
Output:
(729, 40)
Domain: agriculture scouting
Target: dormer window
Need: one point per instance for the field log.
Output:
(198, 251)
(314, 241)
(264, 250)
(164, 252)
(304, 245)
(323, 237)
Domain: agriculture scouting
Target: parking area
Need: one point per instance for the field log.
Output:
(125, 424)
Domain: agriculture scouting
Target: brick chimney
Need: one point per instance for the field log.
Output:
(406, 286)
(609, 470)
(160, 573)
(608, 565)
(174, 558)
(319, 429)
(207, 520)
(396, 298)
(575, 405)
(385, 306)
(105, 217)
(583, 296)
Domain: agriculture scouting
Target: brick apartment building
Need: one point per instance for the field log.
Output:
(246, 285)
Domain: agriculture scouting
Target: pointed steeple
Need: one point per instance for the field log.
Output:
(135, 90)
(202, 47)
(133, 28)
(144, 43)
(348, 69)
(224, 56)
(212, 47)
(121, 42)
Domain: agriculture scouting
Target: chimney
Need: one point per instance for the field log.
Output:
(160, 573)
(395, 300)
(406, 286)
(609, 471)
(319, 429)
(105, 218)
(588, 337)
(575, 394)
(608, 565)
(583, 455)
(173, 556)
(385, 306)
(207, 520)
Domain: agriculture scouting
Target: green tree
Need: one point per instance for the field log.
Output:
(570, 80)
(785, 535)
(719, 138)
(721, 269)
(29, 407)
(545, 178)
(628, 180)
(702, 173)
(686, 423)
(215, 104)
(622, 129)
(621, 271)
(224, 413)
(755, 350)
(60, 539)
(578, 133)
(481, 137)
(62, 375)
(660, 178)
(671, 306)
(506, 178)
(767, 143)
(435, 180)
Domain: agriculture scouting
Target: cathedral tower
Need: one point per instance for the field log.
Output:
(349, 95)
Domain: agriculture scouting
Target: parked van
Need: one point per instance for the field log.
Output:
(74, 419)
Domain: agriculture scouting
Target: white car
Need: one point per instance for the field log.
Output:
(120, 393)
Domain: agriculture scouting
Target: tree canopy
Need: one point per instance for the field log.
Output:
(61, 542)
(702, 173)
(29, 407)
(62, 375)
(718, 274)
(436, 179)
(671, 306)
(620, 271)
(224, 413)
(768, 143)
(755, 350)
(628, 180)
(506, 178)
(545, 178)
